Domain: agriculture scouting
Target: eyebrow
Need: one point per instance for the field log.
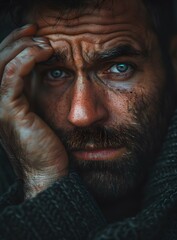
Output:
(120, 51)
(107, 55)
(58, 56)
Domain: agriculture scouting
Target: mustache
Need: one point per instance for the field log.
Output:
(101, 137)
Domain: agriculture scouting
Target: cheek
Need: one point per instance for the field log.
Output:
(121, 104)
(127, 107)
(53, 108)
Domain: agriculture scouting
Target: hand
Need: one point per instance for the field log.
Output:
(36, 153)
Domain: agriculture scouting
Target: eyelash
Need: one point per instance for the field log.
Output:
(60, 72)
(65, 74)
(128, 65)
(103, 73)
(107, 74)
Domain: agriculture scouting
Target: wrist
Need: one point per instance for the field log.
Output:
(37, 182)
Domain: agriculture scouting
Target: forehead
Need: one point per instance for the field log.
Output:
(116, 21)
(108, 13)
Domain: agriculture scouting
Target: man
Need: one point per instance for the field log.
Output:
(89, 89)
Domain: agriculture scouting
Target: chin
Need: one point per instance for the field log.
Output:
(113, 180)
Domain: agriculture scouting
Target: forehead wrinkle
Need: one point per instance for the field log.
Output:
(88, 56)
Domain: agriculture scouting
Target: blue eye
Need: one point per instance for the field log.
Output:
(116, 73)
(56, 74)
(120, 68)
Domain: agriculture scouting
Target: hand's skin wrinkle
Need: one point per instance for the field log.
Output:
(20, 127)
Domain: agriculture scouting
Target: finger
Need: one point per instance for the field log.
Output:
(15, 71)
(12, 50)
(25, 31)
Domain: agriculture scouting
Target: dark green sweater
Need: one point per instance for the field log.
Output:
(67, 211)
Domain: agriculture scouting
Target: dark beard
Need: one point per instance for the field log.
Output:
(113, 180)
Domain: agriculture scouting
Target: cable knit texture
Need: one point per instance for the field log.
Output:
(67, 211)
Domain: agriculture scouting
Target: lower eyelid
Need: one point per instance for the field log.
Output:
(109, 76)
(130, 67)
(64, 74)
(131, 70)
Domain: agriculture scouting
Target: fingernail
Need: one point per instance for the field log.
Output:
(39, 40)
(43, 45)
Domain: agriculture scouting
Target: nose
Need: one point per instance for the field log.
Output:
(87, 104)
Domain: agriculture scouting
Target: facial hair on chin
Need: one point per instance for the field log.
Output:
(115, 179)
(109, 179)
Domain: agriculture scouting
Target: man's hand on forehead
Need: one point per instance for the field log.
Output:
(37, 155)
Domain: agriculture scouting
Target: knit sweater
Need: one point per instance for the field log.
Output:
(67, 211)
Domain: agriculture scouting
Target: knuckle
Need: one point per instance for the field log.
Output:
(22, 42)
(33, 48)
(11, 67)
(14, 34)
(6, 53)
(18, 44)
(30, 51)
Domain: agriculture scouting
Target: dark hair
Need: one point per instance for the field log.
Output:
(161, 11)
(16, 9)
(163, 18)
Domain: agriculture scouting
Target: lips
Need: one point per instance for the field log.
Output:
(99, 154)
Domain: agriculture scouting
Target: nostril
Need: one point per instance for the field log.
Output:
(81, 115)
(86, 114)
(86, 106)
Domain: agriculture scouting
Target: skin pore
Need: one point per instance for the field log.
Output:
(103, 92)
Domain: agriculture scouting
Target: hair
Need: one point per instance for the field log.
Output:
(161, 11)
(163, 18)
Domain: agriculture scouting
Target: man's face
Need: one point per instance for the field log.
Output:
(103, 92)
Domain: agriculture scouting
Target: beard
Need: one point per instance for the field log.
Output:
(112, 180)
(109, 179)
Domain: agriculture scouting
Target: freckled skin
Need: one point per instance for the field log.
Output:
(84, 100)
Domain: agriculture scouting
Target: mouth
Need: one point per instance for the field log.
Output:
(99, 154)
